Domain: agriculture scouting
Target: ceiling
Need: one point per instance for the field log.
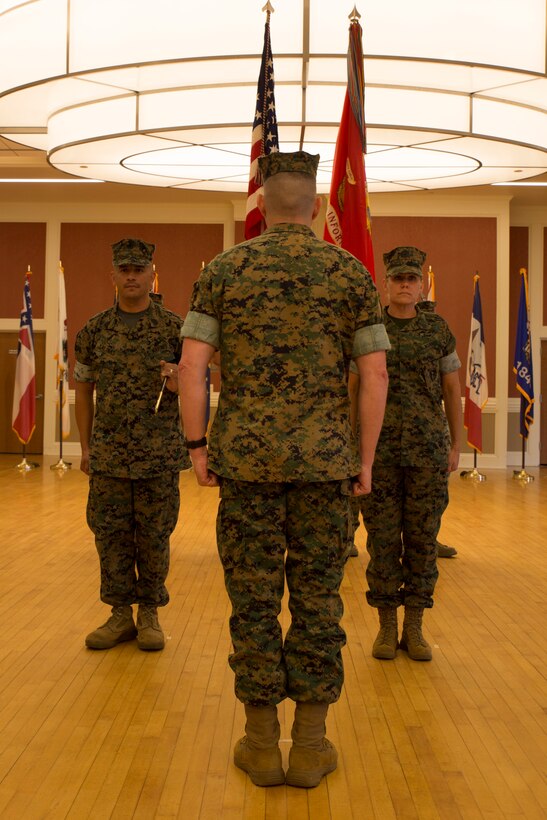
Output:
(161, 95)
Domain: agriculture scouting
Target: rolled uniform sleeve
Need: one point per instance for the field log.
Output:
(83, 373)
(449, 363)
(201, 322)
(202, 327)
(370, 339)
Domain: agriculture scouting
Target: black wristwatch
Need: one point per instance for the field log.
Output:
(193, 445)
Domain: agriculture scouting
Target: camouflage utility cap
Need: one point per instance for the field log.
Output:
(132, 252)
(296, 162)
(404, 259)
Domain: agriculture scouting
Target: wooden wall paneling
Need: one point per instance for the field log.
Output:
(86, 255)
(457, 248)
(239, 232)
(22, 244)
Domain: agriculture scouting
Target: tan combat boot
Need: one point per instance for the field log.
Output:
(258, 753)
(119, 627)
(412, 639)
(150, 636)
(311, 756)
(444, 551)
(385, 645)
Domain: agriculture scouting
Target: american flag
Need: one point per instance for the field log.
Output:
(23, 419)
(265, 139)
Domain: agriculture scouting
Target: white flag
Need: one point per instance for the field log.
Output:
(476, 381)
(62, 355)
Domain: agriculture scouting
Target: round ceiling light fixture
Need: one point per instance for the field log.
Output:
(156, 94)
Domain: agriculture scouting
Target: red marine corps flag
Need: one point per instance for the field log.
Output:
(24, 395)
(348, 215)
(265, 139)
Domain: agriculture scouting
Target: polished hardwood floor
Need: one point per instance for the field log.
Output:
(128, 734)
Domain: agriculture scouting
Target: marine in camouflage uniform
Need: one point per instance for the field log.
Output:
(442, 550)
(134, 455)
(415, 453)
(287, 312)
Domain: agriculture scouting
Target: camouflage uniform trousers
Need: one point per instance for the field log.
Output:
(405, 506)
(132, 520)
(355, 508)
(257, 524)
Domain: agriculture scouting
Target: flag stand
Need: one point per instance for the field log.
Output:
(25, 466)
(473, 474)
(522, 475)
(61, 465)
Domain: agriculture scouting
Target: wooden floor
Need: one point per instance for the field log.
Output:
(127, 734)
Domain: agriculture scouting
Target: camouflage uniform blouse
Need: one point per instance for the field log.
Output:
(128, 439)
(287, 312)
(415, 429)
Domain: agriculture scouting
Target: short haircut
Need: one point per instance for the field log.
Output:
(290, 195)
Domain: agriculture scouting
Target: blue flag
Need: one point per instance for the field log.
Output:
(522, 363)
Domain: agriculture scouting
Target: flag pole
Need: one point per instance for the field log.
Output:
(473, 474)
(522, 475)
(25, 466)
(61, 465)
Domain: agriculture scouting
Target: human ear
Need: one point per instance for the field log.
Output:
(317, 205)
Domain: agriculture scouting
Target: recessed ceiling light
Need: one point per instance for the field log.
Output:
(41, 179)
(523, 184)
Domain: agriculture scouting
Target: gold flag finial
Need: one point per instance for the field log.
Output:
(354, 16)
(430, 285)
(268, 8)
